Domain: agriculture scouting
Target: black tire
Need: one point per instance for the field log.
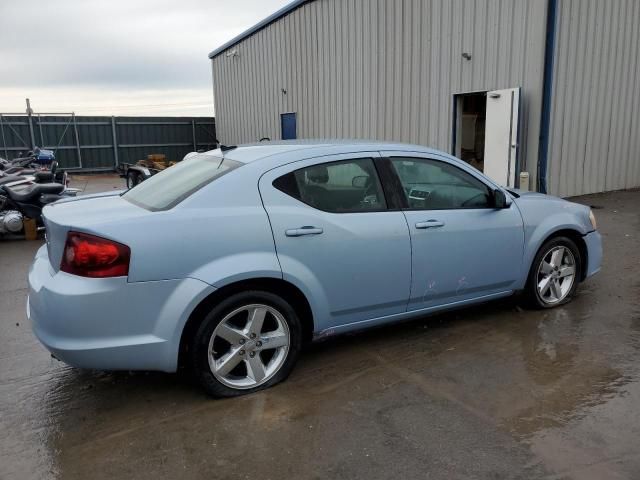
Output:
(199, 343)
(134, 178)
(533, 298)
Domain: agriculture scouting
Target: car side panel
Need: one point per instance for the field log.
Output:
(473, 252)
(476, 252)
(307, 282)
(358, 268)
(219, 234)
(358, 272)
(543, 216)
(237, 267)
(408, 315)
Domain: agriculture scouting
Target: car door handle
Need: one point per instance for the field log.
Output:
(430, 224)
(307, 230)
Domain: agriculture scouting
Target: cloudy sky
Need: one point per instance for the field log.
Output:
(117, 57)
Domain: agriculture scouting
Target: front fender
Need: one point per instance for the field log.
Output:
(541, 225)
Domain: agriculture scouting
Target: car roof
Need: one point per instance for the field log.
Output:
(252, 152)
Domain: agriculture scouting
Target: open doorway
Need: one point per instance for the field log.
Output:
(471, 118)
(486, 133)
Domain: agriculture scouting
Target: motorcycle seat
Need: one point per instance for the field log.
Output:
(48, 198)
(19, 171)
(27, 194)
(43, 177)
(10, 178)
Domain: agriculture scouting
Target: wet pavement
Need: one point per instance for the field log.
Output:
(490, 392)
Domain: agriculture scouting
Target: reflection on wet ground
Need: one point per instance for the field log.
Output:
(495, 391)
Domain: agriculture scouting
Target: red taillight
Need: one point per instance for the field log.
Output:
(90, 256)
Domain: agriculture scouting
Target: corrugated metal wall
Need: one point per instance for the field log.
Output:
(93, 147)
(595, 127)
(383, 69)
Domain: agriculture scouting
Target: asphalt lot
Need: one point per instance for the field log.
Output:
(490, 392)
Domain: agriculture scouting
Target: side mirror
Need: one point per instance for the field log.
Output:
(359, 181)
(499, 199)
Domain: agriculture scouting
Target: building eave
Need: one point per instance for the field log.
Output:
(258, 26)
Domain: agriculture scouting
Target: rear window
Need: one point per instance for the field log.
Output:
(346, 186)
(169, 187)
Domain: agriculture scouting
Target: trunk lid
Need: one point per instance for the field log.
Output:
(84, 214)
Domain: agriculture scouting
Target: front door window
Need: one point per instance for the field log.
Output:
(434, 185)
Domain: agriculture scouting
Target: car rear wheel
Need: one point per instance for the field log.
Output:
(555, 273)
(246, 343)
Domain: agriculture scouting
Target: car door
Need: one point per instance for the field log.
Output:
(337, 240)
(463, 248)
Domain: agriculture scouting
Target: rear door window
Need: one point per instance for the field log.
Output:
(169, 187)
(338, 187)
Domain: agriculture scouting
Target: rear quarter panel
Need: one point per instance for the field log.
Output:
(219, 235)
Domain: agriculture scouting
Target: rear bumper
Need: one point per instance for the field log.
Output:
(593, 241)
(110, 324)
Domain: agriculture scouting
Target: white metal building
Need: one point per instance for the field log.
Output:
(550, 87)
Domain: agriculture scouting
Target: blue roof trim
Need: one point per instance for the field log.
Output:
(259, 26)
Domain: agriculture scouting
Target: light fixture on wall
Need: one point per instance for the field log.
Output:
(466, 56)
(284, 91)
(232, 53)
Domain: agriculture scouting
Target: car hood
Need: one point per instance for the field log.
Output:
(538, 208)
(90, 214)
(531, 195)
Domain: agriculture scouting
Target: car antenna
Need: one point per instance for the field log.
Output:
(224, 148)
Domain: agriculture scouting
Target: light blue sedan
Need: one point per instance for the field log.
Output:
(228, 262)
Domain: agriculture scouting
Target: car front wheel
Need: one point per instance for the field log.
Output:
(555, 273)
(246, 343)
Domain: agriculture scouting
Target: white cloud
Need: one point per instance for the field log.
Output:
(109, 56)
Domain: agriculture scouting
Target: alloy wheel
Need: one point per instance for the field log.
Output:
(249, 346)
(556, 275)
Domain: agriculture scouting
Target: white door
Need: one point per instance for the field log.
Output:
(501, 136)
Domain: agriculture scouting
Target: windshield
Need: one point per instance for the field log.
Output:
(169, 187)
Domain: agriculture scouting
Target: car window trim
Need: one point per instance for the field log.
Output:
(397, 184)
(391, 184)
(366, 156)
